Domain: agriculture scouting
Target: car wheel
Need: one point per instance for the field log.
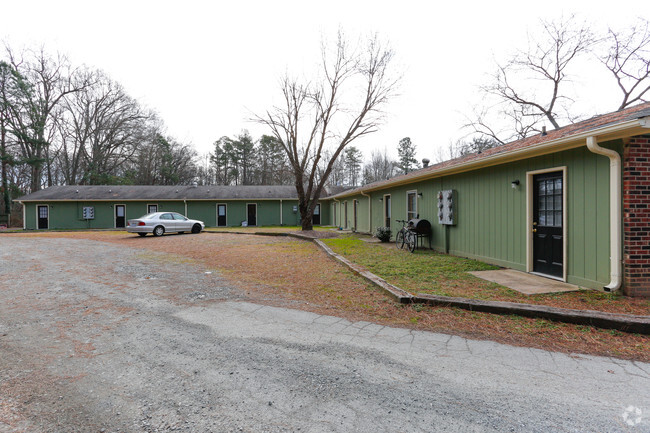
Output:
(158, 231)
(196, 228)
(142, 234)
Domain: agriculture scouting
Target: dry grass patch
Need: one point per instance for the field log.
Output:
(284, 271)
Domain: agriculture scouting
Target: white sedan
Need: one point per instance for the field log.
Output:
(160, 223)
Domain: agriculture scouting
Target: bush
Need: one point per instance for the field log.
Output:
(383, 234)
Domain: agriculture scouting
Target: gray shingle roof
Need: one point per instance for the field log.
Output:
(159, 192)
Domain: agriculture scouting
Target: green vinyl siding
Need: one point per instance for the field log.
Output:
(69, 214)
(491, 215)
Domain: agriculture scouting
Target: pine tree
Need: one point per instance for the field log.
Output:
(407, 161)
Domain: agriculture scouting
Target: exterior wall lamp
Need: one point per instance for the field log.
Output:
(515, 184)
(420, 195)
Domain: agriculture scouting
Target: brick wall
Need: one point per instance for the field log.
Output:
(636, 217)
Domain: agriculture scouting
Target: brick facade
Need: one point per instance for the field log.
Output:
(636, 217)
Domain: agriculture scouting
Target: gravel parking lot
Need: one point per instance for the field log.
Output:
(99, 337)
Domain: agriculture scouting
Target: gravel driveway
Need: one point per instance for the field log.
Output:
(96, 337)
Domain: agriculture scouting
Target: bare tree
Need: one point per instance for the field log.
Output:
(32, 121)
(380, 167)
(100, 130)
(628, 59)
(546, 62)
(320, 109)
(10, 89)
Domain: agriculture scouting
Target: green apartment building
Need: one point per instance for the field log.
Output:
(111, 206)
(572, 204)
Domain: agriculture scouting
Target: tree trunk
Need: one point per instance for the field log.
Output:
(5, 184)
(306, 221)
(36, 177)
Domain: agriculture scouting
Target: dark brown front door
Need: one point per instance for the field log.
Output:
(548, 242)
(43, 217)
(252, 214)
(221, 215)
(387, 210)
(120, 215)
(316, 218)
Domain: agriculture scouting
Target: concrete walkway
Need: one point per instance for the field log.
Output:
(528, 284)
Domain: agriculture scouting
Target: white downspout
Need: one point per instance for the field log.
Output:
(369, 212)
(280, 211)
(614, 212)
(185, 202)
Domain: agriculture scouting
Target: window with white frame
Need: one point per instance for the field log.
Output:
(411, 205)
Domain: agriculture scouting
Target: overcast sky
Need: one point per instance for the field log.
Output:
(206, 66)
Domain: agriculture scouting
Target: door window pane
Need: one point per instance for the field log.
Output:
(557, 205)
(120, 211)
(549, 202)
(222, 210)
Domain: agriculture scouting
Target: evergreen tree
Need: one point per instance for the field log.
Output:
(407, 161)
(352, 161)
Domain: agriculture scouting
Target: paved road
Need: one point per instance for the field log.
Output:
(96, 337)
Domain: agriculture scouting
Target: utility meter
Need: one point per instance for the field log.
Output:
(447, 203)
(89, 213)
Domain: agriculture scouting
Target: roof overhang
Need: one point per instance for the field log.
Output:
(126, 200)
(617, 131)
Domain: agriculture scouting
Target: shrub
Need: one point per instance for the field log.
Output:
(383, 234)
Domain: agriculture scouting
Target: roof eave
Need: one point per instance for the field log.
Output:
(608, 133)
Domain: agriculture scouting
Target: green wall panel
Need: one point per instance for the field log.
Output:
(491, 215)
(69, 215)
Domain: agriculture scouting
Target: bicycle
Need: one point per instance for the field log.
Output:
(406, 236)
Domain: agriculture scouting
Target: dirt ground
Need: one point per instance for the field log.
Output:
(285, 271)
(108, 332)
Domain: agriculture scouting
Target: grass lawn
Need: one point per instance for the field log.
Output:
(429, 272)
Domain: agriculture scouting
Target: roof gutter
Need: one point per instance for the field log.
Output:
(615, 199)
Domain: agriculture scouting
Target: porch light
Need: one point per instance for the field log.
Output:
(515, 184)
(420, 194)
(381, 198)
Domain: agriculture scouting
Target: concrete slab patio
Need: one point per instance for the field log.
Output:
(526, 283)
